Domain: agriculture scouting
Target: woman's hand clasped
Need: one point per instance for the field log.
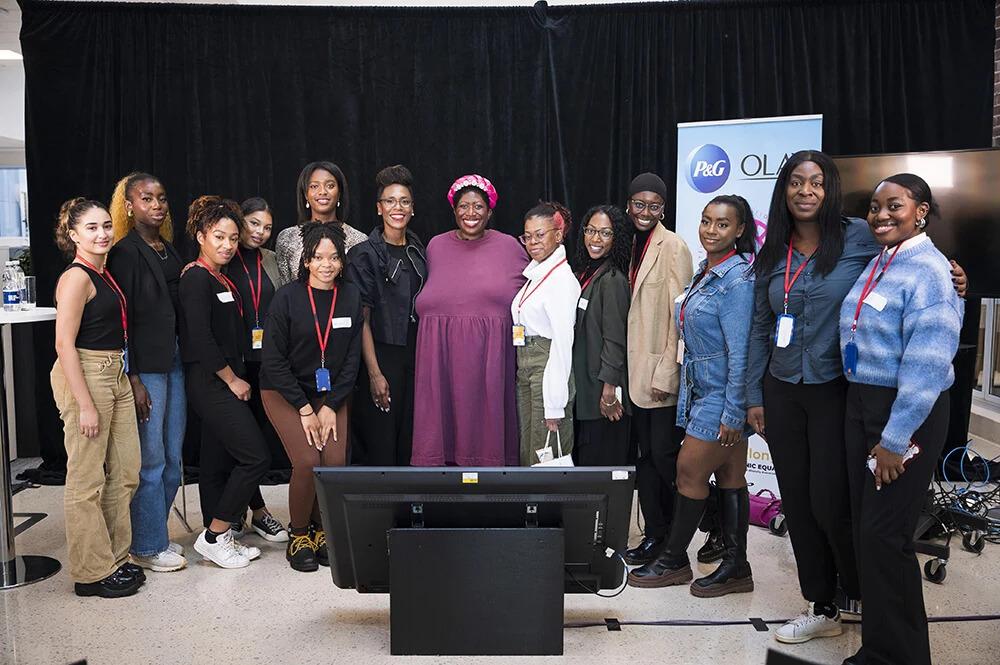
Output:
(888, 466)
(611, 407)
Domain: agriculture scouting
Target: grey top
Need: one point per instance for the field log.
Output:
(813, 355)
(288, 248)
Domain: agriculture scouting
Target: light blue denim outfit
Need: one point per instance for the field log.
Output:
(716, 334)
(161, 441)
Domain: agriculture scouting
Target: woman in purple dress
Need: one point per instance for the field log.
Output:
(465, 412)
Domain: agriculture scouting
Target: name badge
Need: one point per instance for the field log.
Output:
(784, 331)
(341, 322)
(876, 300)
(257, 338)
(582, 304)
(518, 335)
(225, 296)
(680, 351)
(850, 358)
(323, 380)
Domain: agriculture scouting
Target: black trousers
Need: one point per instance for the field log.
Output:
(894, 626)
(601, 442)
(234, 456)
(379, 438)
(659, 441)
(805, 434)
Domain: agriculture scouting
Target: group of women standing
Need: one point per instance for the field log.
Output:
(521, 356)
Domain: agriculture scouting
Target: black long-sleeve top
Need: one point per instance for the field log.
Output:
(212, 330)
(292, 355)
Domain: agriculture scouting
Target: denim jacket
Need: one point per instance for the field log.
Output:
(716, 333)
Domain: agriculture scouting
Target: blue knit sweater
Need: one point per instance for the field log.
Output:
(910, 344)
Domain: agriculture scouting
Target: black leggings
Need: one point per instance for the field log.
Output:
(659, 441)
(234, 456)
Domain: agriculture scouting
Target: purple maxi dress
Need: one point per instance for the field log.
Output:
(465, 412)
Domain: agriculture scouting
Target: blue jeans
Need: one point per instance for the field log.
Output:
(161, 441)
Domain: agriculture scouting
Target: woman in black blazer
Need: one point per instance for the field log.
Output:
(148, 269)
(234, 456)
(600, 368)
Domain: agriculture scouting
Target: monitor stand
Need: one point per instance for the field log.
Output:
(476, 592)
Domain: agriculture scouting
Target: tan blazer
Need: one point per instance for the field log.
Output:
(652, 333)
(270, 265)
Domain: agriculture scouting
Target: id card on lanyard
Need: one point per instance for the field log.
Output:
(322, 373)
(785, 328)
(256, 333)
(122, 304)
(851, 348)
(518, 332)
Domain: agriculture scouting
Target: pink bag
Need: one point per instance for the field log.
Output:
(764, 507)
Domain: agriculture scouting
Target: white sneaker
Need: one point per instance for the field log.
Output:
(250, 553)
(176, 548)
(806, 626)
(164, 562)
(222, 552)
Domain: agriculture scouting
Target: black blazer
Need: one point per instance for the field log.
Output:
(212, 330)
(599, 345)
(152, 322)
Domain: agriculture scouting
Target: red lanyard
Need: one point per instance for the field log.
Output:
(870, 286)
(590, 279)
(322, 339)
(634, 272)
(704, 272)
(226, 282)
(528, 294)
(788, 268)
(110, 281)
(254, 294)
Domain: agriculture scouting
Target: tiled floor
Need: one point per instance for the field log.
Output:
(269, 614)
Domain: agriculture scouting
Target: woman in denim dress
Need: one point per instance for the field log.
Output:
(714, 316)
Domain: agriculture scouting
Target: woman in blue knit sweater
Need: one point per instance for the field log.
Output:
(899, 329)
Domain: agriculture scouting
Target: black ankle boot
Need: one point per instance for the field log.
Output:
(672, 567)
(733, 575)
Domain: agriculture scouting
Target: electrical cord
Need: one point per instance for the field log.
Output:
(973, 498)
(751, 622)
(598, 592)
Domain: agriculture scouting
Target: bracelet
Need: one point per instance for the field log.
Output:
(306, 415)
(609, 405)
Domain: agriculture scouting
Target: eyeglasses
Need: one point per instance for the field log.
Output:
(465, 207)
(392, 203)
(537, 236)
(640, 206)
(606, 234)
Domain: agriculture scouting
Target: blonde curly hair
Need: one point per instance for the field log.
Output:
(119, 216)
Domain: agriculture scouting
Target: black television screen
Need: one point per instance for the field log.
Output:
(966, 184)
(591, 504)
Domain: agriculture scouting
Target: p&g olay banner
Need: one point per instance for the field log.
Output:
(738, 157)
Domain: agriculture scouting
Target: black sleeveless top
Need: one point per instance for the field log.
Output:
(101, 323)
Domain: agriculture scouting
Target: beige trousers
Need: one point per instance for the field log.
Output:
(531, 360)
(101, 473)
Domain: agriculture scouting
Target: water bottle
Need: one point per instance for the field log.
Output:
(22, 288)
(11, 288)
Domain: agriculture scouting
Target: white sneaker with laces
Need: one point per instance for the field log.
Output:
(250, 553)
(176, 548)
(164, 562)
(806, 626)
(222, 552)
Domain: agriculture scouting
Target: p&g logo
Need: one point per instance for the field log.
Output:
(707, 168)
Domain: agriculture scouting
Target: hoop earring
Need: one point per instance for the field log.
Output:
(130, 214)
(663, 215)
(921, 223)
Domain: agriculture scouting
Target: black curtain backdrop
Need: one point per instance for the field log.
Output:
(559, 102)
